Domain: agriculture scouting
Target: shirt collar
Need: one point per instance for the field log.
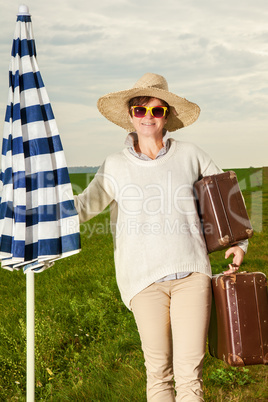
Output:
(132, 139)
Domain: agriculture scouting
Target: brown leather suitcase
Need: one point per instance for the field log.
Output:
(238, 331)
(222, 211)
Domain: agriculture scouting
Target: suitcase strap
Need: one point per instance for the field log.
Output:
(227, 238)
(236, 339)
(219, 213)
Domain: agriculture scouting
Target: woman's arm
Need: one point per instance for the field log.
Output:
(95, 198)
(238, 250)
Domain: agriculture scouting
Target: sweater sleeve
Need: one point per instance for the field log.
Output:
(207, 165)
(96, 197)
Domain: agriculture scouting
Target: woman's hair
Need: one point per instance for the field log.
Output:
(142, 101)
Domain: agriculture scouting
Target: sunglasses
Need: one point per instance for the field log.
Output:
(156, 111)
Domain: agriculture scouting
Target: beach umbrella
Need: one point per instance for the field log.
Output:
(38, 221)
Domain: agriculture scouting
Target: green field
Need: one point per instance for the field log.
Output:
(87, 345)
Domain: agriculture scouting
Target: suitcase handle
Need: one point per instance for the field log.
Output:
(233, 268)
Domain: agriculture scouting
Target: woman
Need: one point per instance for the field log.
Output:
(162, 267)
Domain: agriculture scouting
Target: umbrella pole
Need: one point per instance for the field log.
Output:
(30, 378)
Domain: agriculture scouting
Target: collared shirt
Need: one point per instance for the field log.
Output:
(131, 141)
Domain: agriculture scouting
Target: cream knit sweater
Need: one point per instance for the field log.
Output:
(154, 221)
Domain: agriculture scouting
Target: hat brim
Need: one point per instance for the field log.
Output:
(114, 106)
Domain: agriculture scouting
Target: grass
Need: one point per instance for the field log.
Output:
(86, 343)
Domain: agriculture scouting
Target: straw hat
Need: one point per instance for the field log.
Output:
(114, 106)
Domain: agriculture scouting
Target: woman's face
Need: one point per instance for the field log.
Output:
(149, 125)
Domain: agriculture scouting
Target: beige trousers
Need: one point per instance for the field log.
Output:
(172, 319)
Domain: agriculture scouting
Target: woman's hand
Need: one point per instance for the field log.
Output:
(238, 255)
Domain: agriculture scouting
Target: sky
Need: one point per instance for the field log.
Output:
(211, 52)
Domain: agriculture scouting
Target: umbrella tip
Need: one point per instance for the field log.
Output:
(23, 10)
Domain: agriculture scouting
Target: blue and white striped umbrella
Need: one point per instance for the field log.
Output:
(38, 221)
